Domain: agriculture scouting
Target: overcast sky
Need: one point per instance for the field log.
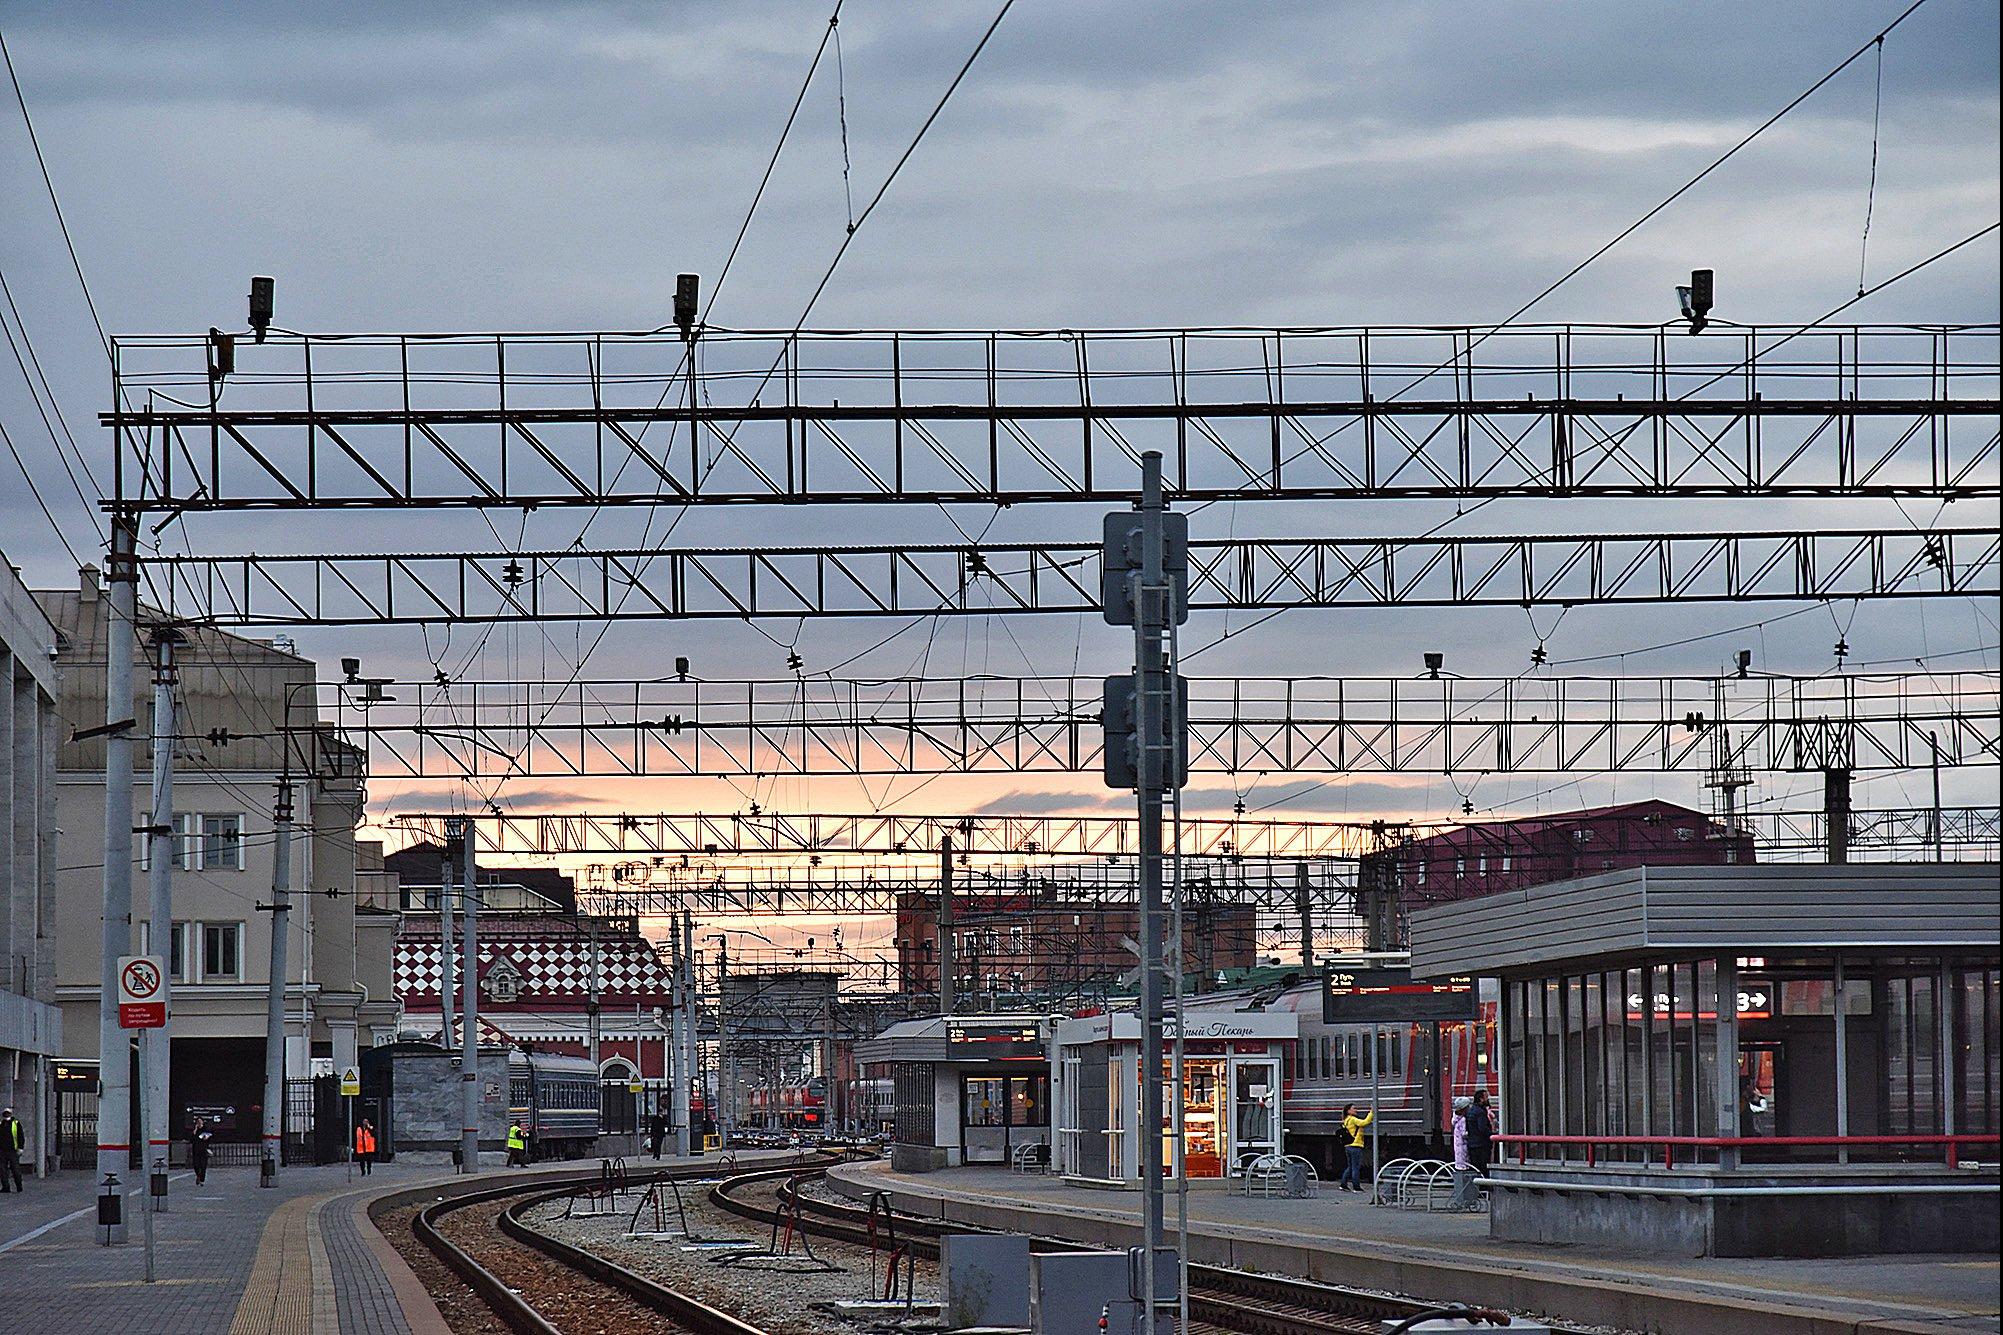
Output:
(468, 166)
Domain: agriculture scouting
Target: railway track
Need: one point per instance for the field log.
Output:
(551, 1287)
(1221, 1301)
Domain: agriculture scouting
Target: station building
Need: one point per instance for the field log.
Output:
(31, 1029)
(241, 705)
(1736, 1060)
(543, 971)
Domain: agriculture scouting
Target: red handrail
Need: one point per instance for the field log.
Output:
(1669, 1143)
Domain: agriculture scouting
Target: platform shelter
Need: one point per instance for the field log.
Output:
(965, 1089)
(1742, 1060)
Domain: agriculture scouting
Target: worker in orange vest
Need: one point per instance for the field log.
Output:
(365, 1145)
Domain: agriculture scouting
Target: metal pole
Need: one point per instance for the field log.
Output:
(157, 1045)
(946, 946)
(1152, 687)
(274, 1005)
(114, 1100)
(469, 1005)
(447, 960)
(1933, 741)
(1304, 905)
(685, 1010)
(1376, 1088)
(1841, 1009)
(1178, 1082)
(1836, 813)
(726, 1070)
(594, 1025)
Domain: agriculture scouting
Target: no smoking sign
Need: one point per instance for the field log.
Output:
(142, 992)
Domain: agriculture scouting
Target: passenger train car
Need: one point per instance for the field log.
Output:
(864, 1108)
(1422, 1066)
(555, 1098)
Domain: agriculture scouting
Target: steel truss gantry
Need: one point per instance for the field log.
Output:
(1237, 725)
(386, 420)
(1250, 574)
(638, 840)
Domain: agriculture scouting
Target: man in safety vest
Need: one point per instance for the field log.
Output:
(365, 1145)
(518, 1146)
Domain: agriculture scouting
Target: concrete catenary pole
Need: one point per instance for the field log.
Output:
(160, 904)
(469, 1004)
(947, 983)
(685, 1008)
(274, 1004)
(447, 962)
(1153, 689)
(114, 1100)
(594, 1025)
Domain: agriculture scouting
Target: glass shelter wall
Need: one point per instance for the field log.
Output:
(1911, 1049)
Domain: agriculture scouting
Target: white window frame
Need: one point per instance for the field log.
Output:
(177, 931)
(201, 858)
(203, 963)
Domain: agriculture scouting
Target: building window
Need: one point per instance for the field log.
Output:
(177, 951)
(222, 953)
(222, 842)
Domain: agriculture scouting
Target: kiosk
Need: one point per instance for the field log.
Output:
(965, 1089)
(1232, 1110)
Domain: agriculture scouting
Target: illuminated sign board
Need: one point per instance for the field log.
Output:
(1755, 1002)
(1377, 995)
(973, 1042)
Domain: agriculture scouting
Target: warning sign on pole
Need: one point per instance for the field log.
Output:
(142, 992)
(351, 1081)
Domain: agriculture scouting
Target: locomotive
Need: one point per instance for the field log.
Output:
(555, 1099)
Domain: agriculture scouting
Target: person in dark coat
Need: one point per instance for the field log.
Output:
(1480, 1132)
(199, 1137)
(13, 1139)
(658, 1130)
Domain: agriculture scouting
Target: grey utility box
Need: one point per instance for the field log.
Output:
(984, 1280)
(1068, 1290)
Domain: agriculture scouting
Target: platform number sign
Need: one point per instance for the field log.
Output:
(142, 992)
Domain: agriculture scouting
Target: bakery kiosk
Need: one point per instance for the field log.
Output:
(1231, 1106)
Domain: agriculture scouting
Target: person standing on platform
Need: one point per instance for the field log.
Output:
(518, 1146)
(1480, 1132)
(365, 1145)
(199, 1137)
(1352, 1128)
(1466, 1196)
(658, 1129)
(13, 1139)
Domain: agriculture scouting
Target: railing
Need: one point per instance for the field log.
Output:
(1670, 1144)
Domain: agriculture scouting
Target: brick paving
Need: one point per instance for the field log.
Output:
(228, 1255)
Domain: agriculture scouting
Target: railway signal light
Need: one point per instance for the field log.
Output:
(1122, 758)
(1695, 300)
(260, 306)
(686, 287)
(1120, 561)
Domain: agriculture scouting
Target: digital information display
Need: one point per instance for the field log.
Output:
(1349, 996)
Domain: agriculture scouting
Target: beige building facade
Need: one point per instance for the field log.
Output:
(245, 717)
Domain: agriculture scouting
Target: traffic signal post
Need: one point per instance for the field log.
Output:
(1144, 582)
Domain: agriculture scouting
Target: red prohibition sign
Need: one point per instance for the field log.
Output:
(142, 980)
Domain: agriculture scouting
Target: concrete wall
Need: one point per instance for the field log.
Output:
(425, 1086)
(1854, 1211)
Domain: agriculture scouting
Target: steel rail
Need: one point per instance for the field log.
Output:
(1239, 1301)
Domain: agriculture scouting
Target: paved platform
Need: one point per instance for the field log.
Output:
(1342, 1239)
(230, 1258)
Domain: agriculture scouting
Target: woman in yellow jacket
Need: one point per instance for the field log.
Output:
(1352, 1127)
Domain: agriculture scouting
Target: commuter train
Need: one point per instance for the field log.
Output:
(555, 1098)
(864, 1107)
(1422, 1066)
